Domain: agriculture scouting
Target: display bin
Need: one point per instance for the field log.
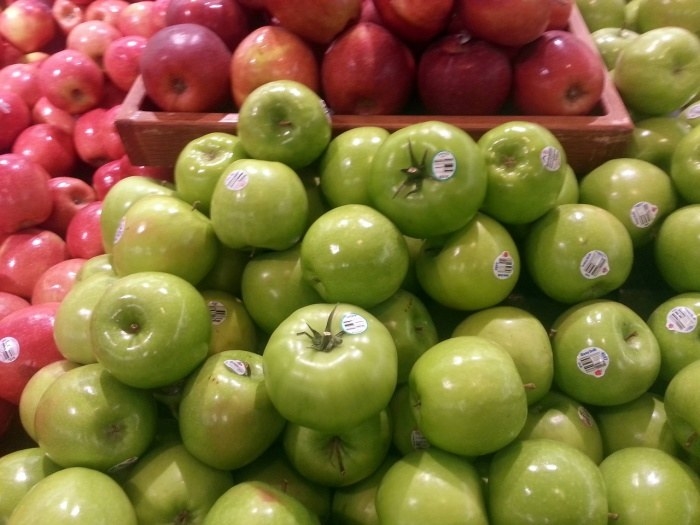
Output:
(155, 138)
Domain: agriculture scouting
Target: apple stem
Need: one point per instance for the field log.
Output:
(324, 341)
(415, 173)
(613, 516)
(337, 452)
(134, 328)
(529, 386)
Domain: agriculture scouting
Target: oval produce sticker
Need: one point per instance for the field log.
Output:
(594, 264)
(681, 319)
(593, 361)
(9, 349)
(444, 165)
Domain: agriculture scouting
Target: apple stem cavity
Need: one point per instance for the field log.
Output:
(692, 438)
(324, 341)
(613, 516)
(529, 386)
(415, 173)
(183, 517)
(337, 451)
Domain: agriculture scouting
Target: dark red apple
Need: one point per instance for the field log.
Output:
(505, 22)
(560, 13)
(28, 24)
(56, 281)
(72, 81)
(415, 21)
(25, 199)
(367, 71)
(185, 67)
(318, 21)
(121, 60)
(68, 194)
(461, 75)
(84, 235)
(49, 146)
(558, 74)
(226, 18)
(15, 116)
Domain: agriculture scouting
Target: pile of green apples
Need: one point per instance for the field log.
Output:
(401, 327)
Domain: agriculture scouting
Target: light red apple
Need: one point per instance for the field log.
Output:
(270, 53)
(47, 113)
(10, 302)
(22, 79)
(15, 117)
(227, 18)
(92, 37)
(67, 14)
(68, 194)
(96, 137)
(107, 10)
(72, 81)
(25, 198)
(318, 21)
(360, 65)
(415, 21)
(121, 60)
(106, 176)
(28, 24)
(137, 18)
(56, 281)
(84, 235)
(49, 146)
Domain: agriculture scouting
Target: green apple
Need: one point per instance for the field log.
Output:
(659, 71)
(120, 197)
(161, 233)
(150, 329)
(258, 503)
(475, 267)
(681, 397)
(652, 14)
(272, 287)
(35, 388)
(631, 12)
(354, 254)
(72, 322)
(259, 204)
(675, 325)
(685, 167)
(545, 481)
(345, 165)
(654, 139)
(577, 252)
(226, 416)
(647, 485)
(169, 485)
(339, 459)
(637, 192)
(467, 396)
(232, 328)
(569, 193)
(410, 324)
(87, 418)
(200, 164)
(691, 113)
(284, 121)
(558, 416)
(525, 165)
(523, 336)
(602, 13)
(273, 467)
(641, 422)
(431, 486)
(604, 353)
(226, 273)
(406, 436)
(75, 495)
(677, 251)
(20, 471)
(98, 264)
(610, 41)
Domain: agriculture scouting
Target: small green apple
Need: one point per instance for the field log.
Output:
(602, 13)
(101, 264)
(610, 41)
(681, 397)
(654, 139)
(677, 251)
(685, 166)
(232, 328)
(652, 14)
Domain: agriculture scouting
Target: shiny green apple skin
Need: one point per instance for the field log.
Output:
(676, 250)
(655, 139)
(231, 325)
(610, 40)
(681, 398)
(685, 166)
(20, 471)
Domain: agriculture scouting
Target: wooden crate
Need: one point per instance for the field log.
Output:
(155, 138)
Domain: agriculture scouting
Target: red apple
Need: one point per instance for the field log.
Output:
(560, 13)
(226, 18)
(72, 81)
(10, 302)
(67, 14)
(26, 345)
(92, 37)
(56, 281)
(68, 195)
(112, 95)
(505, 22)
(558, 74)
(9, 54)
(369, 13)
(318, 21)
(460, 75)
(45, 112)
(185, 67)
(84, 235)
(415, 21)
(48, 146)
(161, 173)
(121, 60)
(360, 65)
(106, 176)
(28, 24)
(14, 118)
(8, 414)
(25, 199)
(138, 18)
(271, 53)
(96, 137)
(107, 10)
(22, 79)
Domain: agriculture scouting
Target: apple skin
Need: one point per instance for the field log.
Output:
(28, 25)
(140, 18)
(598, 14)
(72, 81)
(84, 234)
(107, 10)
(431, 486)
(258, 503)
(232, 326)
(14, 118)
(271, 52)
(174, 75)
(92, 37)
(25, 197)
(659, 71)
(676, 257)
(168, 484)
(67, 14)
(68, 195)
(227, 18)
(558, 74)
(318, 21)
(121, 60)
(545, 481)
(359, 64)
(10, 302)
(57, 495)
(680, 395)
(56, 281)
(49, 146)
(647, 485)
(610, 40)
(415, 21)
(684, 169)
(22, 79)
(637, 192)
(96, 138)
(652, 14)
(151, 329)
(510, 23)
(655, 139)
(559, 244)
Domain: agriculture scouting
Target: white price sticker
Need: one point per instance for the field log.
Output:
(353, 324)
(236, 180)
(593, 361)
(444, 165)
(594, 264)
(681, 319)
(9, 349)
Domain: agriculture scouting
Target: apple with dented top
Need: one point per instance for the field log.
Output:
(676, 257)
(25, 197)
(358, 65)
(284, 121)
(684, 169)
(150, 329)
